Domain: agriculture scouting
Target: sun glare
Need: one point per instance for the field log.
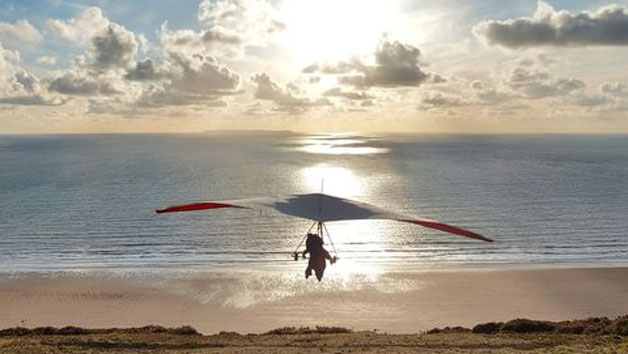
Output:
(328, 30)
(338, 181)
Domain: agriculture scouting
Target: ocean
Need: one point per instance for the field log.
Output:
(87, 202)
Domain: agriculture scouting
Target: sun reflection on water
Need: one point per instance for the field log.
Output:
(338, 181)
(339, 145)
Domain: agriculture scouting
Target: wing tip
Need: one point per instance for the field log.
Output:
(197, 207)
(447, 228)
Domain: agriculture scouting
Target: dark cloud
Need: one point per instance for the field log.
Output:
(396, 64)
(436, 79)
(194, 80)
(111, 49)
(143, 71)
(82, 83)
(548, 27)
(202, 74)
(27, 81)
(116, 48)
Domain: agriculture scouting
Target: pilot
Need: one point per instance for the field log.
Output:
(318, 256)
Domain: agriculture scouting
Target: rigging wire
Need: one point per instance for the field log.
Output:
(303, 239)
(330, 240)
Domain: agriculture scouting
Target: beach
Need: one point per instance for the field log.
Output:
(258, 302)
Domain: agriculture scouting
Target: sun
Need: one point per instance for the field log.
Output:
(333, 30)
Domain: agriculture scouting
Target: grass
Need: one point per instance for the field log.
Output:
(595, 335)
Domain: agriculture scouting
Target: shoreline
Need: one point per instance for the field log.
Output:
(397, 302)
(291, 267)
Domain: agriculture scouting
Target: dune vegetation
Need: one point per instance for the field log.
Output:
(594, 335)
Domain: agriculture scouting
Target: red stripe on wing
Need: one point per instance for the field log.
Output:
(196, 206)
(447, 228)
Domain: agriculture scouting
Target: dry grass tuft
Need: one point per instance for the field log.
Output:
(308, 330)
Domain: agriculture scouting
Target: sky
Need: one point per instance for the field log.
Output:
(448, 66)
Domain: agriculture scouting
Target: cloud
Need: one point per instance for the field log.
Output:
(505, 91)
(144, 44)
(396, 64)
(110, 45)
(611, 97)
(203, 42)
(20, 35)
(286, 99)
(144, 71)
(113, 81)
(547, 27)
(436, 79)
(115, 48)
(532, 83)
(204, 75)
(97, 75)
(89, 24)
(18, 87)
(111, 50)
(199, 80)
(475, 93)
(438, 99)
(33, 100)
(157, 96)
(614, 89)
(235, 22)
(84, 83)
(338, 92)
(341, 67)
(46, 60)
(230, 26)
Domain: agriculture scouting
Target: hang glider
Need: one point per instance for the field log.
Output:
(322, 208)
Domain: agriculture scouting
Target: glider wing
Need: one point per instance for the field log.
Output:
(323, 208)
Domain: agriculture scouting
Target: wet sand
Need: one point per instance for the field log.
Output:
(392, 302)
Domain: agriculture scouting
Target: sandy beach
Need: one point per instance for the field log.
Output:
(390, 302)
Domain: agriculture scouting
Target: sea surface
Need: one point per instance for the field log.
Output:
(87, 202)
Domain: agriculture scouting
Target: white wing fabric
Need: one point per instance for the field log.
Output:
(323, 208)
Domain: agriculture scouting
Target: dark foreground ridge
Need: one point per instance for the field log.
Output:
(593, 335)
(593, 325)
